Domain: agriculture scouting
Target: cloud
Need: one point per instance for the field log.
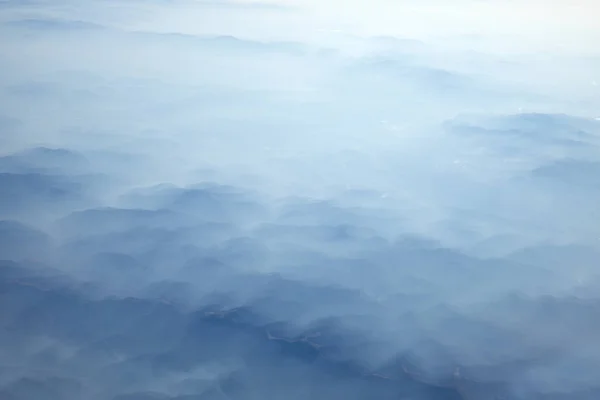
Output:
(196, 203)
(46, 25)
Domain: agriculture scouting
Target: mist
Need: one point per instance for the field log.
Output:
(232, 200)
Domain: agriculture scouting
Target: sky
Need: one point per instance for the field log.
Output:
(240, 200)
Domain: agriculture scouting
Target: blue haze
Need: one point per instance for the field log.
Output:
(212, 216)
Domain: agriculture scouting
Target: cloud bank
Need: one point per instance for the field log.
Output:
(240, 200)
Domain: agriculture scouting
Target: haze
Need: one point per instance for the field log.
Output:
(234, 200)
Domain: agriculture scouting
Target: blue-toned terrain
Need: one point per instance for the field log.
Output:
(232, 200)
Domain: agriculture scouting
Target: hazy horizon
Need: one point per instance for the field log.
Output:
(240, 200)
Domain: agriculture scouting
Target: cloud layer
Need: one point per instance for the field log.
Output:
(195, 204)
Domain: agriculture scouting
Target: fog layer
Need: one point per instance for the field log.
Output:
(239, 200)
